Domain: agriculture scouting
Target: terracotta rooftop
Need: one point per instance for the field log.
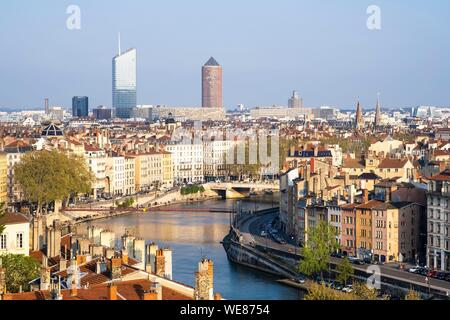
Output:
(370, 205)
(353, 163)
(13, 218)
(443, 176)
(129, 290)
(392, 164)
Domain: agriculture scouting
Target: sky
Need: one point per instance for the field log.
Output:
(267, 49)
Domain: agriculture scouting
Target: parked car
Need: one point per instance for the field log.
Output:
(432, 274)
(348, 289)
(355, 260)
(447, 277)
(440, 275)
(338, 286)
(415, 269)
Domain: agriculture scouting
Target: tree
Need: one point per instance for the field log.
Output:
(363, 292)
(20, 270)
(345, 270)
(320, 245)
(413, 296)
(322, 292)
(47, 176)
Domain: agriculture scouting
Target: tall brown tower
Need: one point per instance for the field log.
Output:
(212, 84)
(378, 113)
(359, 117)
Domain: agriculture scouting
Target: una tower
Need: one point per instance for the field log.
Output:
(212, 84)
(124, 82)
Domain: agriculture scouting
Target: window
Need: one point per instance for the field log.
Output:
(3, 242)
(19, 240)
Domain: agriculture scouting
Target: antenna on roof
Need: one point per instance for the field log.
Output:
(120, 49)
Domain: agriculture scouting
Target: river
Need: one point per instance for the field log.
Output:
(196, 234)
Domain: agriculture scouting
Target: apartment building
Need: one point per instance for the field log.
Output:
(96, 161)
(187, 160)
(115, 175)
(438, 242)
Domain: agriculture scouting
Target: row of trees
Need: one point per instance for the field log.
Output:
(322, 243)
(193, 189)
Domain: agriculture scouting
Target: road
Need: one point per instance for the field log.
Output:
(252, 228)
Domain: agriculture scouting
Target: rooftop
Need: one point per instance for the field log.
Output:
(212, 63)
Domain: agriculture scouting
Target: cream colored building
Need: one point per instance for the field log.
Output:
(15, 239)
(387, 147)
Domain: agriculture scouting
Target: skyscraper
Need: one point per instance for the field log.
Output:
(124, 83)
(295, 102)
(359, 117)
(212, 84)
(80, 107)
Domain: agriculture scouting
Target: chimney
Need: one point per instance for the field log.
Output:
(124, 257)
(150, 296)
(347, 179)
(62, 264)
(365, 196)
(160, 264)
(352, 194)
(388, 195)
(116, 268)
(112, 292)
(73, 291)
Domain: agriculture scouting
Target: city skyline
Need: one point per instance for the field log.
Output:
(264, 61)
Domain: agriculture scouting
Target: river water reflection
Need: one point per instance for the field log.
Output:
(193, 234)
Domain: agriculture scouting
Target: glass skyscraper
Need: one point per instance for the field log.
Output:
(80, 107)
(124, 83)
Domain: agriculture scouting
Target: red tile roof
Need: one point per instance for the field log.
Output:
(13, 218)
(392, 164)
(129, 290)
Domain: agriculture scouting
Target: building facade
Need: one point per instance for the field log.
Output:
(438, 242)
(80, 107)
(124, 83)
(212, 85)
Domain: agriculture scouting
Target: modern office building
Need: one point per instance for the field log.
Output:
(295, 102)
(80, 107)
(124, 83)
(102, 113)
(212, 85)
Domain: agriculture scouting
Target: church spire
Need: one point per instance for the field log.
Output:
(359, 117)
(378, 113)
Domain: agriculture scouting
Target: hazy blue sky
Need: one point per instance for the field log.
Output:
(267, 49)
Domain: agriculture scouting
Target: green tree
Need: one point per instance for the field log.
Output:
(363, 292)
(20, 270)
(345, 270)
(319, 292)
(360, 292)
(47, 176)
(322, 242)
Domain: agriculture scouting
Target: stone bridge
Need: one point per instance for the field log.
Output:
(236, 190)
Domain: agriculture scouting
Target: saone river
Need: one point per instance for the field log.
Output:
(193, 235)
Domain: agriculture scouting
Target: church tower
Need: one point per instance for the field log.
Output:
(378, 114)
(359, 117)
